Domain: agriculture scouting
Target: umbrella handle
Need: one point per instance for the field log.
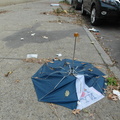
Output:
(75, 35)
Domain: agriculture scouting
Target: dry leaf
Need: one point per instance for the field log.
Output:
(113, 97)
(110, 96)
(6, 75)
(85, 111)
(51, 62)
(75, 59)
(98, 67)
(36, 60)
(17, 81)
(76, 111)
(90, 70)
(56, 59)
(51, 104)
(67, 63)
(45, 13)
(91, 114)
(105, 76)
(65, 11)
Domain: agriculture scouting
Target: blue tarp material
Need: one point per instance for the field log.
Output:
(53, 80)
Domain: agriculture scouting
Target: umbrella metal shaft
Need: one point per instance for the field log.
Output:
(74, 55)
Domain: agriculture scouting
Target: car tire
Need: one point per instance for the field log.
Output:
(83, 12)
(93, 17)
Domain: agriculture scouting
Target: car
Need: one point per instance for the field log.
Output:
(100, 10)
(76, 4)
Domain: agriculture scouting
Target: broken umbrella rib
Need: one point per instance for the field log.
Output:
(48, 75)
(53, 88)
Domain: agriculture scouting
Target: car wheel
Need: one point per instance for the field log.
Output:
(93, 19)
(83, 12)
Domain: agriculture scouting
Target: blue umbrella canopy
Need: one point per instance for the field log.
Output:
(56, 82)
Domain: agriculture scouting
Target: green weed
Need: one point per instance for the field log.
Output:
(112, 81)
(58, 10)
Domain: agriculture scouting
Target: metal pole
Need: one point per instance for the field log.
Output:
(74, 51)
(75, 35)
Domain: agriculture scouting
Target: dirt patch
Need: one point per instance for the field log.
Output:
(69, 12)
(3, 11)
(78, 21)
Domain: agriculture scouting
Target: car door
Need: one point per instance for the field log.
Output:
(89, 5)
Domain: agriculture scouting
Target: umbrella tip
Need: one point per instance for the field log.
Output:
(76, 34)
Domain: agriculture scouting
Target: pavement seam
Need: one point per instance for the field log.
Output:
(5, 58)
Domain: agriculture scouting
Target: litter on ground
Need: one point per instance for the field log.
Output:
(59, 55)
(22, 38)
(55, 5)
(45, 37)
(93, 29)
(33, 34)
(32, 55)
(116, 92)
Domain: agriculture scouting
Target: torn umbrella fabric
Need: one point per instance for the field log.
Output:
(69, 83)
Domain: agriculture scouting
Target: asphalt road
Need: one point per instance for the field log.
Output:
(109, 38)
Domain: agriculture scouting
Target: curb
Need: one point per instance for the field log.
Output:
(102, 53)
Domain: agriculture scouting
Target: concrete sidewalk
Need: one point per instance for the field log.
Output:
(22, 32)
